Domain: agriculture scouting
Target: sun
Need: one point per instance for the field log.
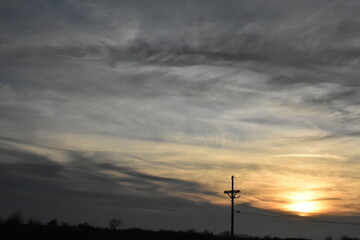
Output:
(303, 204)
(303, 208)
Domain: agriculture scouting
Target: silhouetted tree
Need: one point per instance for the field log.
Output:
(53, 222)
(64, 224)
(206, 232)
(84, 225)
(33, 221)
(16, 218)
(224, 234)
(191, 230)
(115, 224)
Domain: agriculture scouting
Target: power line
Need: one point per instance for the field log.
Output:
(218, 220)
(215, 209)
(298, 218)
(331, 222)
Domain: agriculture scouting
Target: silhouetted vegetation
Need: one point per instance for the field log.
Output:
(14, 227)
(348, 238)
(115, 224)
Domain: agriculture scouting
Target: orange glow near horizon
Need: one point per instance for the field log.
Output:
(303, 204)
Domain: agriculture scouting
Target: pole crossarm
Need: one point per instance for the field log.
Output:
(233, 193)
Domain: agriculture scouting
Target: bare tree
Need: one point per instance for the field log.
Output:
(15, 218)
(115, 224)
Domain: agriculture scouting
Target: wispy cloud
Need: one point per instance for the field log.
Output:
(326, 156)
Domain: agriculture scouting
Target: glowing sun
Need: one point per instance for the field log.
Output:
(303, 204)
(303, 208)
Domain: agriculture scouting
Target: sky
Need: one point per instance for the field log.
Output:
(143, 110)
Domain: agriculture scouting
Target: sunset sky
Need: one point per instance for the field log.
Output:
(143, 110)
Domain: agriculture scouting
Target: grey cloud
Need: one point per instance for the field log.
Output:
(347, 96)
(341, 135)
(179, 184)
(328, 199)
(232, 31)
(276, 35)
(341, 102)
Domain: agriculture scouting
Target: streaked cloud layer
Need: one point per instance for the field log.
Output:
(128, 105)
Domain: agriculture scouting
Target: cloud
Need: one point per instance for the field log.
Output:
(326, 156)
(92, 178)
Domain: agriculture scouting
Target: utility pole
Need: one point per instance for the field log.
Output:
(232, 194)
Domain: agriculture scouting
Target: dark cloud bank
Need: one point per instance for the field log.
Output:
(27, 177)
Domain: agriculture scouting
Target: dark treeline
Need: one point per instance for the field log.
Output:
(14, 227)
